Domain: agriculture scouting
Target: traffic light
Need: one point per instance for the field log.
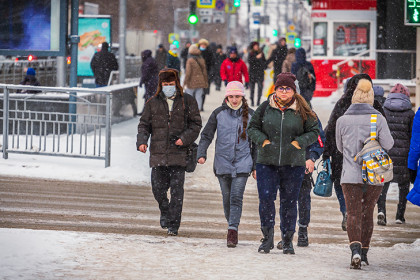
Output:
(192, 18)
(298, 42)
(236, 3)
(275, 32)
(176, 43)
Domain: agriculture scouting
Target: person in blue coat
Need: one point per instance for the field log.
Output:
(234, 158)
(413, 161)
(305, 74)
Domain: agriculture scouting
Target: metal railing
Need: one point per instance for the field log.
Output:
(41, 123)
(13, 72)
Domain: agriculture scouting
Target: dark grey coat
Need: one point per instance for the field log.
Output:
(352, 129)
(234, 155)
(399, 116)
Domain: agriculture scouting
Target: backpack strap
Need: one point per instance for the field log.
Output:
(373, 119)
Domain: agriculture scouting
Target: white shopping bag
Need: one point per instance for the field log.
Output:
(140, 99)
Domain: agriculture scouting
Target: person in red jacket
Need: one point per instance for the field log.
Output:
(233, 68)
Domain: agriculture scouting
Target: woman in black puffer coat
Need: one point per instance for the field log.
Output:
(399, 115)
(330, 146)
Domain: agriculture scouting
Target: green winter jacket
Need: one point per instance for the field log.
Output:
(281, 128)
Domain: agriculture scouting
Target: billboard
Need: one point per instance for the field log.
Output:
(93, 31)
(35, 27)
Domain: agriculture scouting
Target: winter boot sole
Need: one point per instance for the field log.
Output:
(381, 219)
(356, 262)
(231, 245)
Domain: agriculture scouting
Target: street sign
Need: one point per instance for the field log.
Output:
(265, 20)
(258, 2)
(218, 19)
(291, 27)
(206, 4)
(256, 18)
(205, 12)
(290, 37)
(173, 37)
(230, 9)
(220, 5)
(219, 13)
(205, 19)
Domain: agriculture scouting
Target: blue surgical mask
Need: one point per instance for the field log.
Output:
(169, 91)
(202, 49)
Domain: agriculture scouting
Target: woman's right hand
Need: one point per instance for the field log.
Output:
(266, 142)
(201, 160)
(143, 148)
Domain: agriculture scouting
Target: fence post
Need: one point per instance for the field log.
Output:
(5, 122)
(108, 129)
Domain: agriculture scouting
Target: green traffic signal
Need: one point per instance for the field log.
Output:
(192, 19)
(236, 3)
(176, 43)
(298, 43)
(275, 32)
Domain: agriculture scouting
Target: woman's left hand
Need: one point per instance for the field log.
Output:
(254, 174)
(179, 142)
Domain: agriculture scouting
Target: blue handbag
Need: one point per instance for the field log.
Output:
(324, 184)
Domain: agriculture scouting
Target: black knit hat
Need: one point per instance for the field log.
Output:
(286, 79)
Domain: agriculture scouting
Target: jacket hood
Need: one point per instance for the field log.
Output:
(145, 54)
(397, 102)
(194, 51)
(300, 56)
(361, 109)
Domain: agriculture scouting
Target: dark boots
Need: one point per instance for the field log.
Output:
(356, 252)
(288, 243)
(303, 237)
(232, 238)
(163, 220)
(280, 244)
(267, 242)
(381, 219)
(364, 255)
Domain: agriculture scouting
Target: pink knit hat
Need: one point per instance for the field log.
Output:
(399, 88)
(235, 88)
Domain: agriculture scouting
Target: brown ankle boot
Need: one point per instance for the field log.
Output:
(232, 238)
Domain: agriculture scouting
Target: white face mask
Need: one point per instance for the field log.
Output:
(169, 91)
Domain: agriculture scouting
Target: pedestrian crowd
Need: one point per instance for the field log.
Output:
(278, 143)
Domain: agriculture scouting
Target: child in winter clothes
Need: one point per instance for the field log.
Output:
(233, 161)
(282, 127)
(399, 116)
(352, 129)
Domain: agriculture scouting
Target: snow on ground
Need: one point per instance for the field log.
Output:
(29, 254)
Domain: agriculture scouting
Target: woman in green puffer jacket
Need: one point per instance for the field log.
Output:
(282, 127)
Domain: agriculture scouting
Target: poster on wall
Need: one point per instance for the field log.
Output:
(33, 27)
(93, 31)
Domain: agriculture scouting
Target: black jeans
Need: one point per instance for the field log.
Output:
(304, 201)
(260, 90)
(163, 178)
(402, 203)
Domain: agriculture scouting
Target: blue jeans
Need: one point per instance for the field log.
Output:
(197, 93)
(305, 201)
(233, 194)
(287, 180)
(340, 195)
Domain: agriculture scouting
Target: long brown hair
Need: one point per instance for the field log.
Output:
(245, 117)
(303, 108)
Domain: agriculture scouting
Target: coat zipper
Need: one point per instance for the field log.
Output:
(281, 132)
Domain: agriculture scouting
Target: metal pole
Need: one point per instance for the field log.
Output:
(228, 24)
(108, 130)
(247, 21)
(417, 97)
(5, 122)
(74, 40)
(122, 32)
(61, 71)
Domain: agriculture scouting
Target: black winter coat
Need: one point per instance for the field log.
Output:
(149, 74)
(166, 128)
(29, 80)
(399, 116)
(278, 56)
(209, 58)
(339, 109)
(256, 67)
(102, 64)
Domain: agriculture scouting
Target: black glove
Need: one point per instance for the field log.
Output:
(226, 82)
(413, 175)
(247, 85)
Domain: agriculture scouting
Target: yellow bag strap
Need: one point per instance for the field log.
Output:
(373, 119)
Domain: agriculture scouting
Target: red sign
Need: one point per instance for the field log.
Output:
(318, 41)
(319, 15)
(343, 4)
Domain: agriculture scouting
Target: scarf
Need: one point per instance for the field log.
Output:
(173, 54)
(283, 105)
(231, 106)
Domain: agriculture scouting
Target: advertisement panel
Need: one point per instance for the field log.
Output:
(36, 27)
(93, 31)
